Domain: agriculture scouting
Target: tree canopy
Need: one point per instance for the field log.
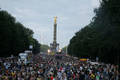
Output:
(44, 48)
(100, 38)
(14, 37)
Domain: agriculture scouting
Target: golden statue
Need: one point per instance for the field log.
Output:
(55, 19)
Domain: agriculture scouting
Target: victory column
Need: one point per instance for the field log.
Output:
(54, 47)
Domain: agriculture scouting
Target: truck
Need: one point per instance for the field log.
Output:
(25, 57)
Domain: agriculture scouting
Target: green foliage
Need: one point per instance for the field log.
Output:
(36, 47)
(64, 49)
(101, 38)
(14, 37)
(44, 48)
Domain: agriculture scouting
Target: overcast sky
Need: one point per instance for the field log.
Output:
(38, 15)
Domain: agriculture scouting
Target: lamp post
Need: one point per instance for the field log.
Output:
(31, 47)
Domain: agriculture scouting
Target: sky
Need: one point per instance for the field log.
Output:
(38, 15)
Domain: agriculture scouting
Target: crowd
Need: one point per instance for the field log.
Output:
(47, 67)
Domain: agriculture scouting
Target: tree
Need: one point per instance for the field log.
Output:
(14, 37)
(101, 38)
(64, 49)
(44, 48)
(36, 47)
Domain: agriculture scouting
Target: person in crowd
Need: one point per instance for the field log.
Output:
(51, 68)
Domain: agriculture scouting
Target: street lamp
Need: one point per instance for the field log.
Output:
(31, 47)
(49, 51)
(59, 50)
